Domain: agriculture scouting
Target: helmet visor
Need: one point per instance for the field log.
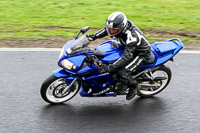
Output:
(112, 31)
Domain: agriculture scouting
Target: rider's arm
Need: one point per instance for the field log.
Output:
(101, 33)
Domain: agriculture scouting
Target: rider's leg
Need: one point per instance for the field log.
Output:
(132, 67)
(122, 75)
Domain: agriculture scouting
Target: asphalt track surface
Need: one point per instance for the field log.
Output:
(175, 110)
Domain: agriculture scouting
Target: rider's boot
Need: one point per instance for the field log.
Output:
(132, 91)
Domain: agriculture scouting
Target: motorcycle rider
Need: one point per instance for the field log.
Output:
(136, 50)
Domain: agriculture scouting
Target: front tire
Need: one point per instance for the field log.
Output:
(52, 90)
(148, 89)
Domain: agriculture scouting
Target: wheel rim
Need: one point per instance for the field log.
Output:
(55, 89)
(150, 89)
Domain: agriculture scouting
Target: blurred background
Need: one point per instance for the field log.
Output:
(41, 23)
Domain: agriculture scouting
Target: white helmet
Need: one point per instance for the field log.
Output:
(115, 23)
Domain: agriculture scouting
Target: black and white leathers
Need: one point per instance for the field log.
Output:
(136, 47)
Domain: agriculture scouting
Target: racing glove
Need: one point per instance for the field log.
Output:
(106, 68)
(103, 68)
(91, 37)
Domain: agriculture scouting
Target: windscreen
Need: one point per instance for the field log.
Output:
(81, 42)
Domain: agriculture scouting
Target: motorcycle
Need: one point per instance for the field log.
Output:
(79, 70)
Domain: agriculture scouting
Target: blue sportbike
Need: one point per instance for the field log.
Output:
(79, 64)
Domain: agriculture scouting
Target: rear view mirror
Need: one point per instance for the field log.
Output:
(84, 29)
(99, 54)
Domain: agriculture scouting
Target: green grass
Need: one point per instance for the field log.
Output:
(24, 18)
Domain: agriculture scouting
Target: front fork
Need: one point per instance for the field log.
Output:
(70, 79)
(69, 88)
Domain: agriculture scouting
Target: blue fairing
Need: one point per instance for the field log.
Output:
(76, 59)
(92, 82)
(88, 70)
(164, 51)
(111, 54)
(60, 73)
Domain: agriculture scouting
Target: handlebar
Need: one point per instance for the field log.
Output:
(94, 60)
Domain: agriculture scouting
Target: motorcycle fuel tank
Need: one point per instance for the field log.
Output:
(112, 50)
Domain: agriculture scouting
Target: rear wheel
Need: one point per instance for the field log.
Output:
(55, 90)
(162, 76)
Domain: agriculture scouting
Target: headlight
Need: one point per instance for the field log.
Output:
(67, 64)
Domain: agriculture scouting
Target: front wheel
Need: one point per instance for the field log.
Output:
(56, 91)
(162, 76)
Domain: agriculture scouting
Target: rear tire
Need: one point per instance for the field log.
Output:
(148, 89)
(52, 88)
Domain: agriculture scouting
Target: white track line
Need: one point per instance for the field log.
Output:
(30, 49)
(59, 49)
(190, 52)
